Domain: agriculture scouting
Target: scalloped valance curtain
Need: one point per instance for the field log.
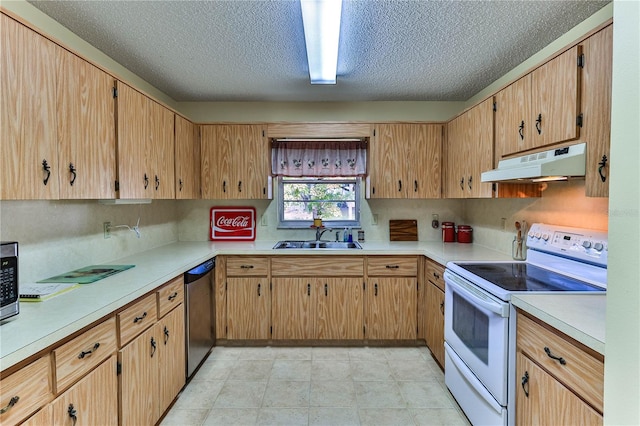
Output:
(318, 158)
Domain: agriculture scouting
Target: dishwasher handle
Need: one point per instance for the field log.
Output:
(199, 271)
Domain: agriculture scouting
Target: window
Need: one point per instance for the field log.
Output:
(335, 199)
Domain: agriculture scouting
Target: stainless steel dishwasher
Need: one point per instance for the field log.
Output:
(199, 313)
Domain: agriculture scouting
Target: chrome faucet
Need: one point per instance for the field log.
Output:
(320, 231)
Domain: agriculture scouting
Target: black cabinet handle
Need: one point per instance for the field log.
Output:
(72, 414)
(240, 186)
(157, 182)
(521, 130)
(72, 170)
(246, 266)
(146, 181)
(308, 289)
(180, 185)
(399, 185)
(258, 289)
(415, 186)
(166, 334)
(602, 164)
(326, 289)
(557, 358)
(140, 318)
(525, 383)
(224, 186)
(82, 354)
(392, 266)
(436, 275)
(462, 183)
(539, 124)
(442, 308)
(13, 401)
(153, 346)
(470, 182)
(173, 296)
(47, 169)
(375, 288)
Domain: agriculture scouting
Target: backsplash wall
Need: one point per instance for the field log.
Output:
(562, 203)
(58, 236)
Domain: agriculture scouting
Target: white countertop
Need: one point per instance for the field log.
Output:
(42, 324)
(581, 317)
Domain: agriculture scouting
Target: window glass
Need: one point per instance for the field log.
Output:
(335, 200)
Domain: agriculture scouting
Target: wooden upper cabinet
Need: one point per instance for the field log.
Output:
(455, 158)
(86, 128)
(187, 159)
(541, 108)
(235, 162)
(145, 146)
(28, 153)
(133, 176)
(596, 109)
(405, 161)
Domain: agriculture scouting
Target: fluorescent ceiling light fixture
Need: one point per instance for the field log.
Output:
(321, 20)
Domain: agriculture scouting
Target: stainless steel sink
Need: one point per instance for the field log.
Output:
(317, 245)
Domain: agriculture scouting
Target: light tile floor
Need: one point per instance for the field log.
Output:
(316, 386)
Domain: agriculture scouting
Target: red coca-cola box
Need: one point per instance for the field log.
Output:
(232, 224)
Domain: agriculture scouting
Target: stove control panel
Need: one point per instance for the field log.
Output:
(576, 243)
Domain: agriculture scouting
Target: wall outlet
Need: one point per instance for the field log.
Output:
(374, 219)
(106, 226)
(435, 221)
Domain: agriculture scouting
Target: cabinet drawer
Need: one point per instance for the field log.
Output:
(247, 266)
(30, 388)
(581, 372)
(77, 357)
(392, 265)
(170, 296)
(435, 273)
(313, 266)
(137, 318)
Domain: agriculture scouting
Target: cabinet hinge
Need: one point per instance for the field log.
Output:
(494, 187)
(374, 132)
(115, 92)
(226, 329)
(495, 106)
(270, 286)
(118, 368)
(579, 120)
(363, 286)
(117, 186)
(225, 286)
(364, 330)
(263, 134)
(581, 60)
(271, 330)
(264, 191)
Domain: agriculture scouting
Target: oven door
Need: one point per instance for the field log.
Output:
(476, 327)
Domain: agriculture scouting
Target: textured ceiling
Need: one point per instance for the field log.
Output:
(390, 50)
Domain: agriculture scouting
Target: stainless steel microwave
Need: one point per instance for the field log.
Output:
(9, 297)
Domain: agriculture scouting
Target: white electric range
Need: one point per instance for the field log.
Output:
(479, 320)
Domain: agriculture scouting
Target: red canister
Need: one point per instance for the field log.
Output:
(465, 234)
(448, 232)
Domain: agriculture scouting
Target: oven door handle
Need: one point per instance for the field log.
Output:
(477, 296)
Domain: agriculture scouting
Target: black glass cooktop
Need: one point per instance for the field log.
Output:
(526, 277)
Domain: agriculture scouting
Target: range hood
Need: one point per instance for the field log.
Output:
(551, 165)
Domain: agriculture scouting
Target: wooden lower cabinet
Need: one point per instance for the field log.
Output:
(26, 390)
(171, 357)
(91, 401)
(293, 308)
(391, 308)
(435, 322)
(248, 308)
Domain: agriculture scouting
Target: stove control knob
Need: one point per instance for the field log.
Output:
(531, 234)
(586, 244)
(598, 246)
(545, 237)
(538, 235)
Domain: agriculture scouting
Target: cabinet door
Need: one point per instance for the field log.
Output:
(133, 176)
(29, 388)
(555, 100)
(339, 309)
(480, 149)
(542, 400)
(27, 111)
(160, 145)
(248, 308)
(391, 311)
(455, 157)
(423, 178)
(217, 150)
(254, 160)
(187, 146)
(86, 128)
(596, 109)
(387, 158)
(171, 357)
(293, 308)
(513, 118)
(91, 401)
(435, 321)
(138, 380)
